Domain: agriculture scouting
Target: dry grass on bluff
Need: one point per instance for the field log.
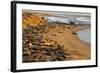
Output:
(32, 19)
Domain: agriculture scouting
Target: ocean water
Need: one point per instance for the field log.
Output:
(68, 19)
(85, 35)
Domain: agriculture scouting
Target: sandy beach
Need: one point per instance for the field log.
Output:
(64, 36)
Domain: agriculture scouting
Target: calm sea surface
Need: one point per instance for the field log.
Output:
(85, 35)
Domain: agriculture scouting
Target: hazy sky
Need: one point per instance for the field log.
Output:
(63, 13)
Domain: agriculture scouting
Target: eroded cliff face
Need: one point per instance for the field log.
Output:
(33, 19)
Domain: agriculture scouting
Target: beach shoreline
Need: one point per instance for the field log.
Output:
(38, 32)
